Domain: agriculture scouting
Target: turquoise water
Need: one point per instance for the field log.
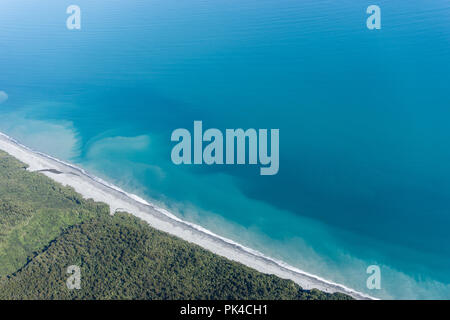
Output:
(363, 116)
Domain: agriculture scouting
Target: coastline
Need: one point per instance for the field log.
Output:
(99, 190)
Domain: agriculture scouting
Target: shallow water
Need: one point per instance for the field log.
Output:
(364, 164)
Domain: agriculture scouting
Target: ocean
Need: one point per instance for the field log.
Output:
(364, 175)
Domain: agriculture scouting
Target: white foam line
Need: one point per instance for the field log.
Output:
(96, 188)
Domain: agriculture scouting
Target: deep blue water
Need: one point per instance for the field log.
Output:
(363, 116)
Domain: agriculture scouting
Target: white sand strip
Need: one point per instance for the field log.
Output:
(118, 200)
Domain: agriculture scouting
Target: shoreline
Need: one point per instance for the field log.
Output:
(90, 186)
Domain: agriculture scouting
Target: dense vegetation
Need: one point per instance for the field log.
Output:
(45, 227)
(34, 210)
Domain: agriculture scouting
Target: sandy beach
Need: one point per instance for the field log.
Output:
(118, 200)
